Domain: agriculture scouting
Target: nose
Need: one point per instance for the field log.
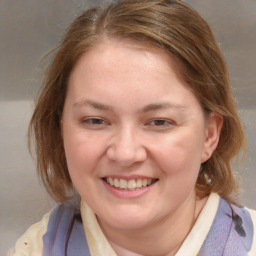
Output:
(126, 148)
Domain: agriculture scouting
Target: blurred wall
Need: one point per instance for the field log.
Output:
(29, 28)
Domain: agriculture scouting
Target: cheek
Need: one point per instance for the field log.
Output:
(185, 152)
(82, 152)
(179, 160)
(179, 164)
(83, 156)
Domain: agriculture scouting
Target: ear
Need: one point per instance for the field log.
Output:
(213, 128)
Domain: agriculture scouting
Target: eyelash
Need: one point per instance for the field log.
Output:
(94, 121)
(97, 123)
(167, 123)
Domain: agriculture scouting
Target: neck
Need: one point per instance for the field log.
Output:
(161, 238)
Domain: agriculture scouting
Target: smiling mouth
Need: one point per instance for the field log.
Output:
(133, 184)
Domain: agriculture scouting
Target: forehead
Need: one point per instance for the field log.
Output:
(122, 74)
(110, 52)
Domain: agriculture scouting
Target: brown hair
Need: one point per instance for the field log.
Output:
(177, 29)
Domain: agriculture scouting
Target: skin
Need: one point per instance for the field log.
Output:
(128, 114)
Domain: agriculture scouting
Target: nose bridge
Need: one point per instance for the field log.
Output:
(126, 147)
(126, 141)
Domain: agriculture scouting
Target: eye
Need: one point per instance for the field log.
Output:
(94, 122)
(160, 123)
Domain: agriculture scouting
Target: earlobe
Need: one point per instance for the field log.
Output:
(212, 134)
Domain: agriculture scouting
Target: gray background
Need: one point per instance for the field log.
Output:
(29, 28)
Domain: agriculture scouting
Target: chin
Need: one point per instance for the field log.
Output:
(128, 219)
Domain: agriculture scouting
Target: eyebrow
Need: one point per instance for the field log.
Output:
(159, 106)
(147, 108)
(93, 104)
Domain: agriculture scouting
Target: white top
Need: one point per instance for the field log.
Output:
(31, 243)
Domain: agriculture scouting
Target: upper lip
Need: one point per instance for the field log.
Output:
(132, 177)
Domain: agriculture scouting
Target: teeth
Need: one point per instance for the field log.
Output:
(144, 182)
(123, 183)
(129, 185)
(116, 183)
(139, 183)
(110, 181)
(132, 184)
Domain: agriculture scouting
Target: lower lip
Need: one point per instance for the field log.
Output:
(128, 194)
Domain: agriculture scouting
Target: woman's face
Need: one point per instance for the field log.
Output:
(134, 135)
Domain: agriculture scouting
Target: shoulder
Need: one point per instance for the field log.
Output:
(31, 242)
(253, 216)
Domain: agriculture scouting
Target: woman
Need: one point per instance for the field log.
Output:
(135, 129)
